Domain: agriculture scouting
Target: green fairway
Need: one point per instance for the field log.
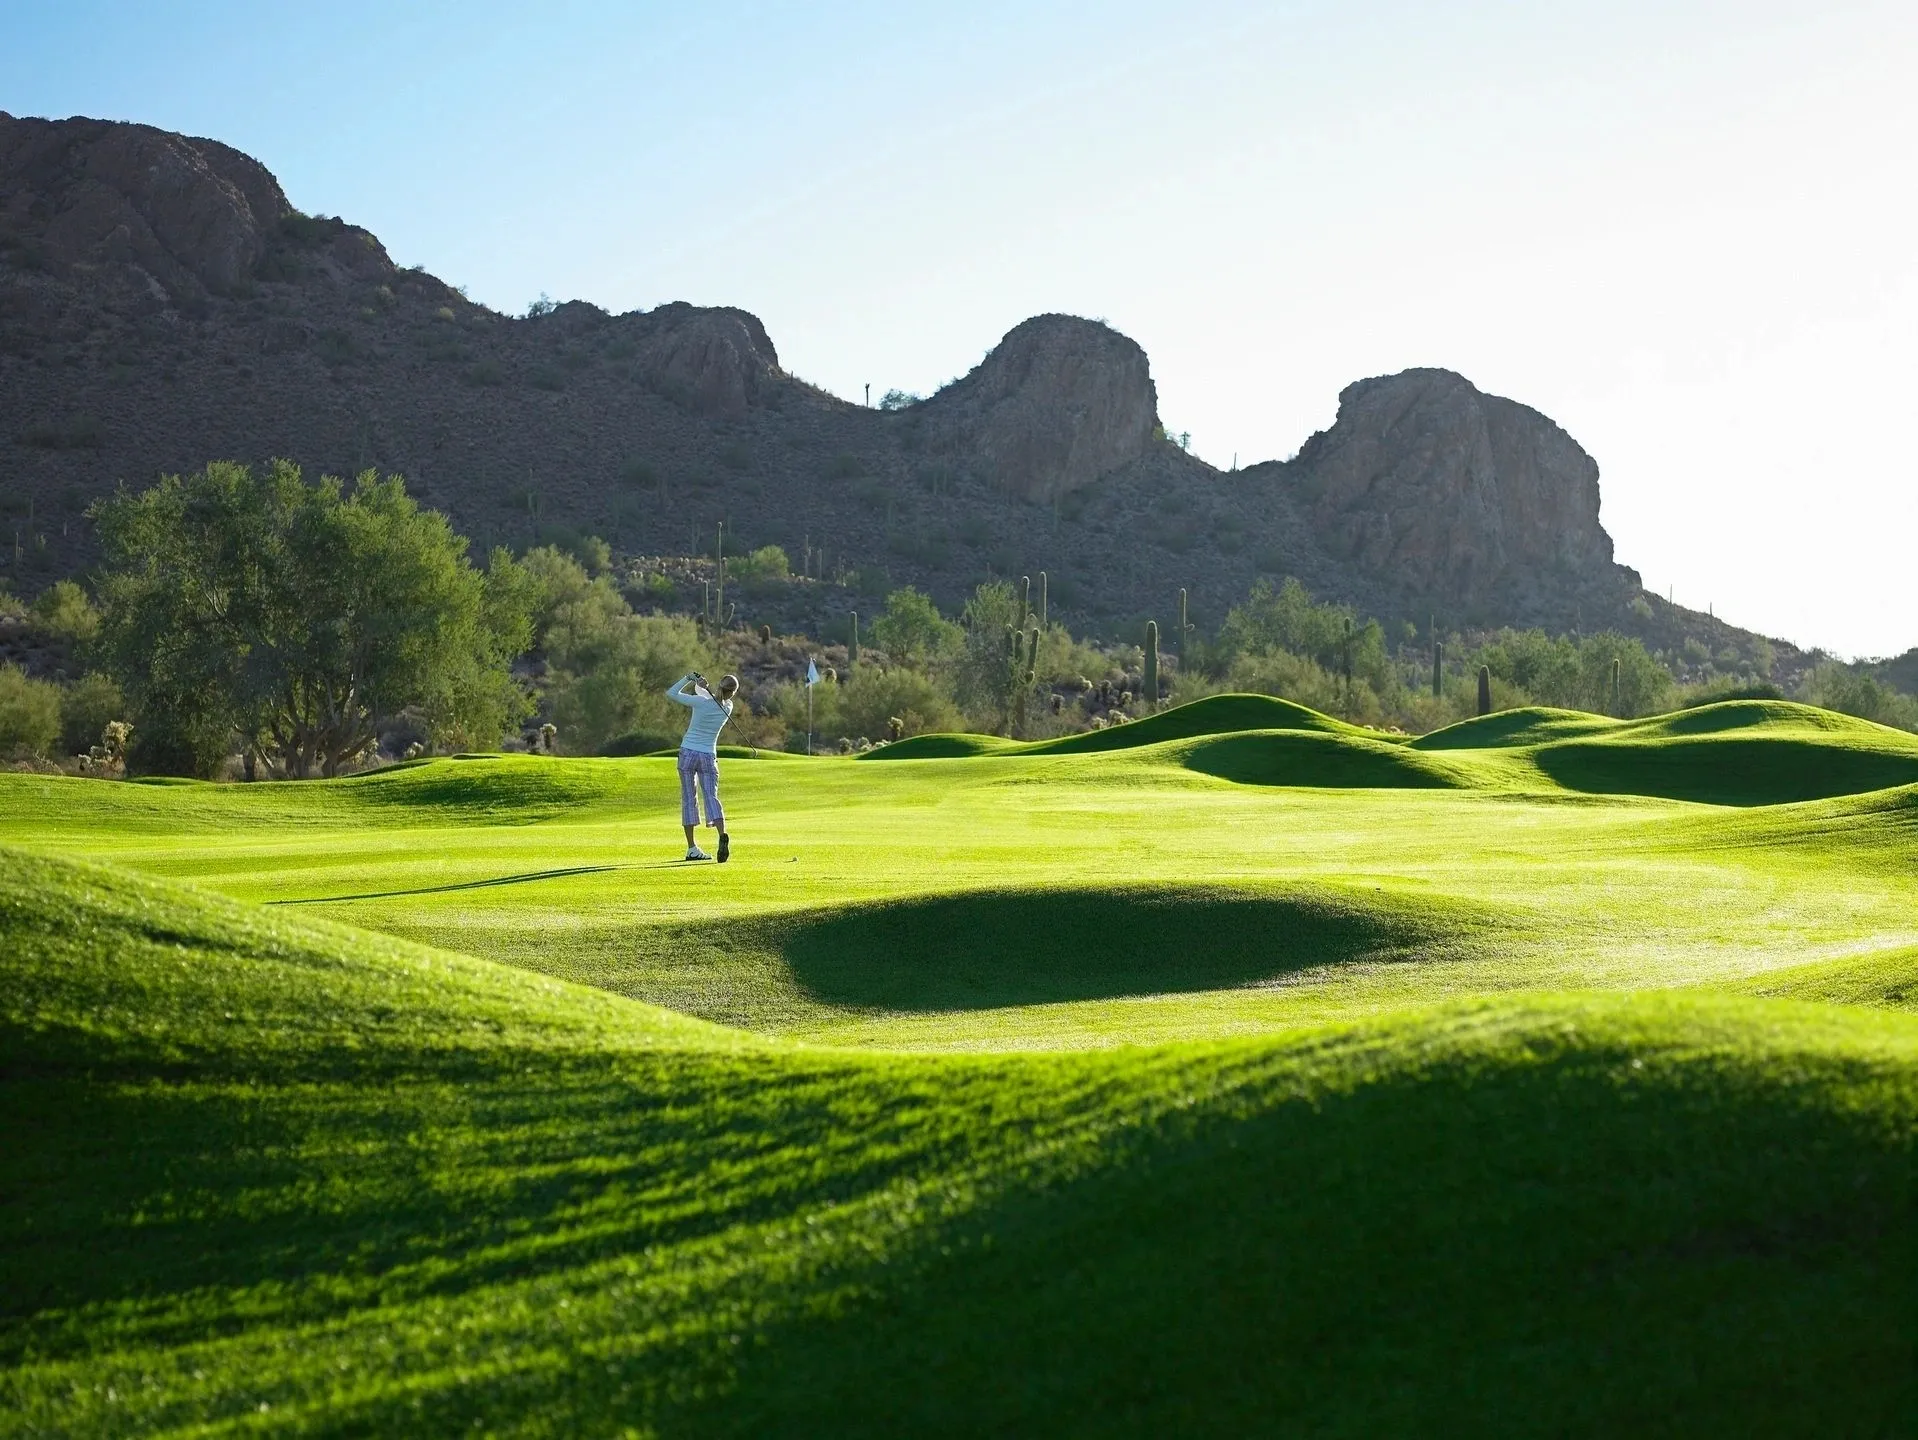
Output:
(1231, 1070)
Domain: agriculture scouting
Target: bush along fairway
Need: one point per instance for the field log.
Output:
(1236, 1071)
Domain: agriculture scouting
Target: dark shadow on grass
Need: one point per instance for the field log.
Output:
(1525, 1249)
(468, 884)
(986, 949)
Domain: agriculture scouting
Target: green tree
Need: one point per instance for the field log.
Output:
(29, 713)
(1286, 619)
(606, 667)
(987, 676)
(293, 615)
(912, 631)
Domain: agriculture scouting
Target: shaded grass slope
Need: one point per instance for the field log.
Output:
(283, 1178)
(984, 949)
(1739, 752)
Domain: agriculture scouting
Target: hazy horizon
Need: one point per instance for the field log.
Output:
(1676, 230)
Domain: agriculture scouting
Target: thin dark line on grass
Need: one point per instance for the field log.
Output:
(462, 885)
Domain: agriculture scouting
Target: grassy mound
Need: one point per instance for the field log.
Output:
(1330, 761)
(1734, 766)
(1527, 726)
(1213, 715)
(1885, 979)
(942, 747)
(285, 1177)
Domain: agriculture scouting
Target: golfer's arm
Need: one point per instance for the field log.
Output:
(674, 691)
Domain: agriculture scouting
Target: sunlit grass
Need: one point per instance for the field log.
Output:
(1515, 1100)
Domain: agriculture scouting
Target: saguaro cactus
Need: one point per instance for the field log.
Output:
(1348, 659)
(1185, 628)
(1151, 686)
(1045, 609)
(1024, 675)
(1438, 667)
(1617, 687)
(719, 553)
(1025, 602)
(1485, 689)
(852, 645)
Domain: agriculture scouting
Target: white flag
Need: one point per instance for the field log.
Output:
(812, 672)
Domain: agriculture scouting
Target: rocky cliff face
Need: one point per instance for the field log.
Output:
(1058, 403)
(187, 216)
(1444, 491)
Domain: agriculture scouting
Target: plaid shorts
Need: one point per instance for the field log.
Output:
(699, 780)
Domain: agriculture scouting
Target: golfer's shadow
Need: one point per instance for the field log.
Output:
(984, 949)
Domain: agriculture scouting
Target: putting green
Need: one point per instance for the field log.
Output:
(1550, 1073)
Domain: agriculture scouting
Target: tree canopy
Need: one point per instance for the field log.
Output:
(288, 617)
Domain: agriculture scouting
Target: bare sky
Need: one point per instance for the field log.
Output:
(1686, 231)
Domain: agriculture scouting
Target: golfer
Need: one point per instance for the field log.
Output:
(699, 757)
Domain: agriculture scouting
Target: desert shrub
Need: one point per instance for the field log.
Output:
(872, 699)
(307, 232)
(768, 562)
(1287, 675)
(64, 611)
(736, 456)
(656, 590)
(1286, 619)
(485, 373)
(1721, 690)
(29, 713)
(86, 708)
(1854, 692)
(547, 377)
(911, 629)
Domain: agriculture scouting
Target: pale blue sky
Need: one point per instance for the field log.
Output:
(1683, 230)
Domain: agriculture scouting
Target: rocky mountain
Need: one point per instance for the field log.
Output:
(163, 304)
(1427, 484)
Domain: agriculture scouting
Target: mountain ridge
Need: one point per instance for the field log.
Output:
(163, 304)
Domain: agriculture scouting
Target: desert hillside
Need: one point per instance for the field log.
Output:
(162, 303)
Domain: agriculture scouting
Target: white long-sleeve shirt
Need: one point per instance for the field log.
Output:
(709, 717)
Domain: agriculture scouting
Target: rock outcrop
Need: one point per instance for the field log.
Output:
(1447, 492)
(1058, 403)
(193, 215)
(715, 362)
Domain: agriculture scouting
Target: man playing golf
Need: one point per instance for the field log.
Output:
(699, 757)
